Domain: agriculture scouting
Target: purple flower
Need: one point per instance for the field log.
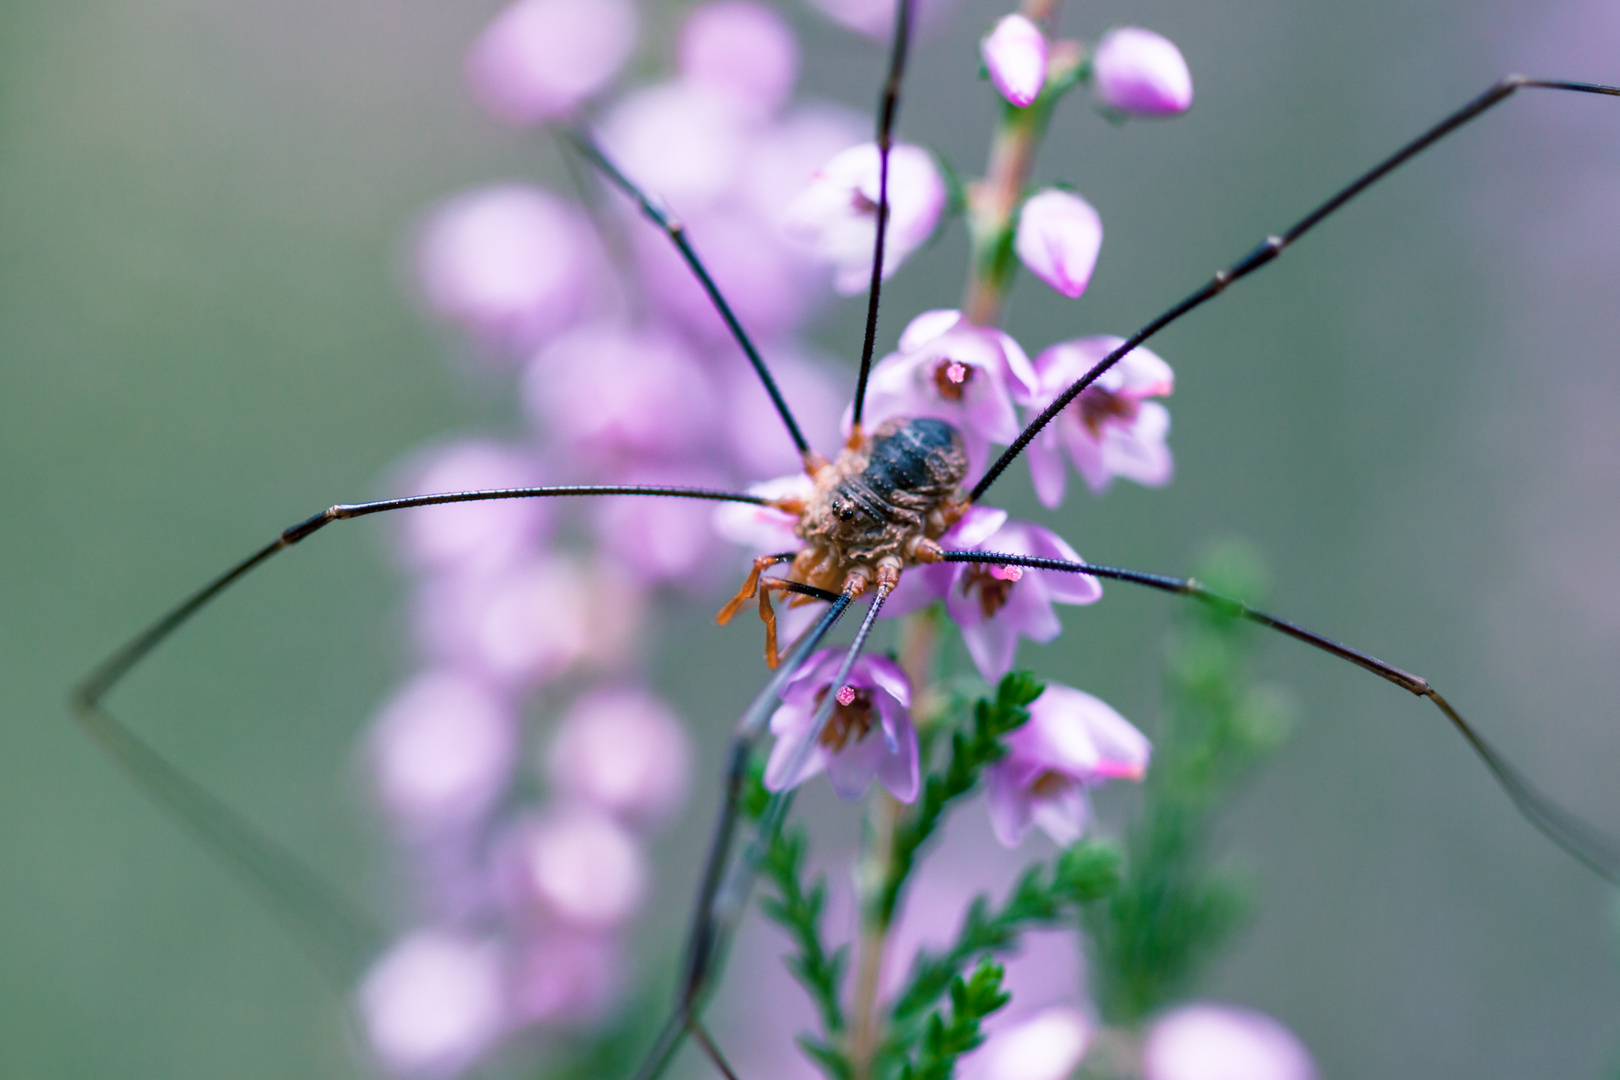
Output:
(564, 976)
(878, 695)
(434, 1003)
(684, 142)
(996, 605)
(1015, 55)
(742, 49)
(1111, 429)
(923, 584)
(510, 263)
(541, 59)
(661, 541)
(622, 749)
(466, 534)
(1219, 1042)
(442, 751)
(1047, 1046)
(836, 216)
(875, 18)
(1139, 72)
(1072, 741)
(1059, 236)
(753, 430)
(951, 369)
(615, 397)
(582, 868)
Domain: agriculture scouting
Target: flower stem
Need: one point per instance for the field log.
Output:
(993, 202)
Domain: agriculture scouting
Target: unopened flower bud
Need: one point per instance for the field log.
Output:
(584, 868)
(1015, 55)
(1139, 72)
(1059, 236)
(433, 1003)
(541, 59)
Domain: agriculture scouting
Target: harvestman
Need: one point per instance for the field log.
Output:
(878, 509)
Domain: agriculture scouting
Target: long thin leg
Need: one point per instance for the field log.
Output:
(887, 107)
(1273, 246)
(342, 938)
(676, 231)
(701, 939)
(1588, 844)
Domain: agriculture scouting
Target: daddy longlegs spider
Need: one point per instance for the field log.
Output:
(726, 876)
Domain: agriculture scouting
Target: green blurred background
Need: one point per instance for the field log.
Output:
(206, 333)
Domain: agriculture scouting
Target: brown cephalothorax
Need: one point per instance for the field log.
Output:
(875, 511)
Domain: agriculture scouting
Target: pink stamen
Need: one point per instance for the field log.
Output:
(1007, 573)
(845, 695)
(957, 372)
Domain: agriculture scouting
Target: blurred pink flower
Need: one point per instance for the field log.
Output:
(583, 868)
(1059, 236)
(849, 748)
(464, 534)
(744, 49)
(836, 216)
(1072, 741)
(1047, 1046)
(949, 368)
(1220, 1042)
(614, 397)
(442, 751)
(1014, 53)
(758, 443)
(994, 605)
(541, 59)
(661, 541)
(1111, 429)
(765, 530)
(510, 263)
(1142, 73)
(567, 977)
(875, 18)
(432, 1004)
(624, 750)
(683, 142)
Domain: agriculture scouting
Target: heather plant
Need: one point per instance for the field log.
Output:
(656, 327)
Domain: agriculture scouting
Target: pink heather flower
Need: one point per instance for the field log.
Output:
(964, 374)
(765, 530)
(836, 216)
(758, 444)
(442, 751)
(922, 585)
(1059, 236)
(868, 735)
(462, 534)
(530, 622)
(995, 605)
(623, 750)
(613, 397)
(582, 867)
(1015, 55)
(1047, 1046)
(682, 141)
(1219, 1042)
(1111, 429)
(1072, 741)
(511, 263)
(433, 1004)
(875, 18)
(743, 49)
(658, 540)
(541, 59)
(567, 977)
(1139, 72)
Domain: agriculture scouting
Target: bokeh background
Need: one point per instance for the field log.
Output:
(207, 332)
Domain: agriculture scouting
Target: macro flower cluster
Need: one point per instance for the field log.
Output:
(524, 765)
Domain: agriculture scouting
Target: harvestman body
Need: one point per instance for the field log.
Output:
(876, 511)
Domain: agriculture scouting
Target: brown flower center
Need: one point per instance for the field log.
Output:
(1097, 406)
(851, 717)
(1049, 784)
(994, 584)
(951, 378)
